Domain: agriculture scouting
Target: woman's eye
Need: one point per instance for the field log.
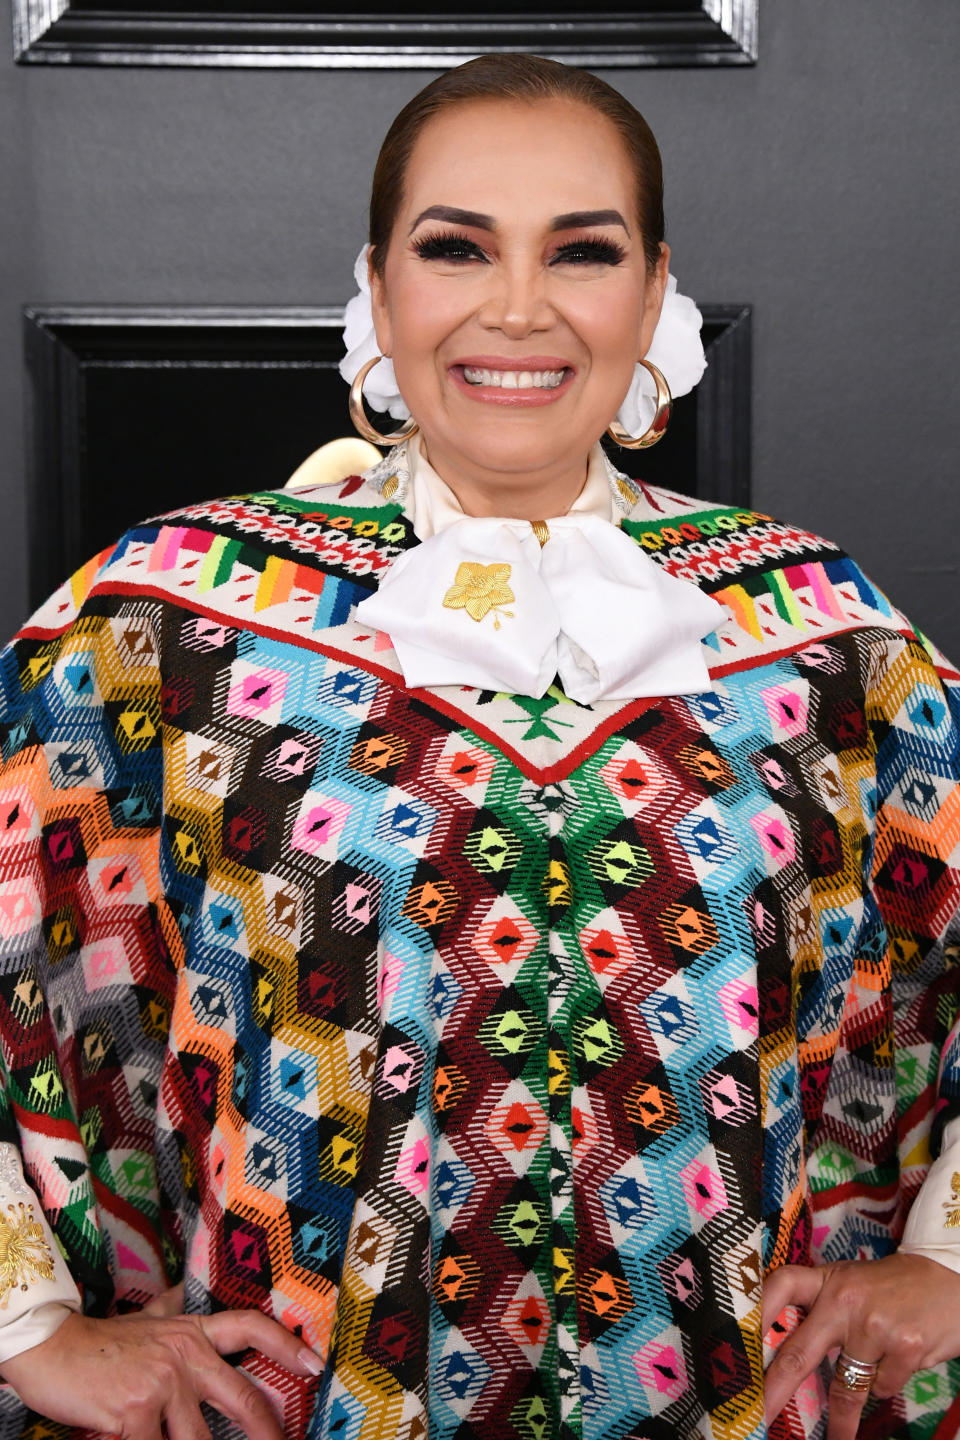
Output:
(447, 247)
(460, 249)
(590, 252)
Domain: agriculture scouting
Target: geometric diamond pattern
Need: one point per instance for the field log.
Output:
(499, 1044)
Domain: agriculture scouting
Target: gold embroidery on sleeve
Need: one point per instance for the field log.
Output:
(478, 589)
(952, 1206)
(25, 1256)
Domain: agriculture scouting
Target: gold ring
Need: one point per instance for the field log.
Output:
(855, 1374)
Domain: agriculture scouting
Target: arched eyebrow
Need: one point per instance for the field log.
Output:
(455, 217)
(573, 220)
(582, 219)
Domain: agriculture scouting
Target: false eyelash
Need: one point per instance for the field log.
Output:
(446, 245)
(605, 252)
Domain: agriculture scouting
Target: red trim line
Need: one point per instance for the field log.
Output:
(923, 1105)
(851, 1190)
(547, 776)
(114, 1204)
(949, 1427)
(45, 1124)
(36, 632)
(752, 661)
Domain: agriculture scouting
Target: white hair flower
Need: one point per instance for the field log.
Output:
(677, 352)
(380, 388)
(675, 349)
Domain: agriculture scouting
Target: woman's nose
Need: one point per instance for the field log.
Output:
(518, 301)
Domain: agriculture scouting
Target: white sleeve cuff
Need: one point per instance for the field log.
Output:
(33, 1327)
(37, 1291)
(933, 1225)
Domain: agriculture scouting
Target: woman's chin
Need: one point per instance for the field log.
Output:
(498, 438)
(498, 447)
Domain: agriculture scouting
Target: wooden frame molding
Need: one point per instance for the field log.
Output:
(427, 35)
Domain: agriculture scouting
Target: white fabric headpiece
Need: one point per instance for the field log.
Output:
(676, 350)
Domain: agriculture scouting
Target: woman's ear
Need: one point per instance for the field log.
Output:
(656, 288)
(378, 304)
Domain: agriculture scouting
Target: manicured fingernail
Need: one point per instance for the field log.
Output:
(309, 1361)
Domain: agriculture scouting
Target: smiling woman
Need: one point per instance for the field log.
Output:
(482, 935)
(540, 235)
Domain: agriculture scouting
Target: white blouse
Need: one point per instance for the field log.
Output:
(431, 506)
(37, 1291)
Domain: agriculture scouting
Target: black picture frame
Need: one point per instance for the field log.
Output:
(134, 411)
(428, 35)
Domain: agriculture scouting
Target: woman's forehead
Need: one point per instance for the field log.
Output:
(484, 155)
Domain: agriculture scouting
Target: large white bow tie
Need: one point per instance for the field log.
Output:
(485, 604)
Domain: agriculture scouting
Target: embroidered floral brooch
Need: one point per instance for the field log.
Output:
(25, 1256)
(952, 1206)
(478, 589)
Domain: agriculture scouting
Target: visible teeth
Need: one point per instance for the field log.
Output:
(514, 379)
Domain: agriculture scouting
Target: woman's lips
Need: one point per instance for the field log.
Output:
(496, 395)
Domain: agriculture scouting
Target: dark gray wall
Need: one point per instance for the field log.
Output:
(818, 186)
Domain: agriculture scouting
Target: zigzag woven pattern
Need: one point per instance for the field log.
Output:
(499, 1045)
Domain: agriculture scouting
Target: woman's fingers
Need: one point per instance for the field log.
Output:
(183, 1419)
(796, 1359)
(228, 1390)
(140, 1372)
(168, 1302)
(894, 1373)
(790, 1285)
(901, 1313)
(805, 1348)
(844, 1409)
(233, 1395)
(231, 1330)
(128, 1373)
(140, 1428)
(845, 1405)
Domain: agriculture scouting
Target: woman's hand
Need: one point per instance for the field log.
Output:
(903, 1312)
(132, 1375)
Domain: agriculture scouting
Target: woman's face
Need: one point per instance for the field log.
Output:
(515, 300)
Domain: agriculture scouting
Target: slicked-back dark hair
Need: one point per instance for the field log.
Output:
(515, 77)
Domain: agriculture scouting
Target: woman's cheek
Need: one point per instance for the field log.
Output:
(609, 321)
(426, 316)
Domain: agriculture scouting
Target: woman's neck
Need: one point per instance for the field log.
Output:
(533, 495)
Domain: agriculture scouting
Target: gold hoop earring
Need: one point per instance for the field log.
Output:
(658, 425)
(359, 417)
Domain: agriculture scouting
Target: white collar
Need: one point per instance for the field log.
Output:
(482, 602)
(431, 506)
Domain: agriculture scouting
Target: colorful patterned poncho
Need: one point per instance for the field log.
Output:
(498, 1045)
